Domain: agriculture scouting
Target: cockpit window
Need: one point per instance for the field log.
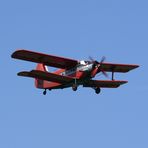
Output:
(82, 63)
(88, 62)
(85, 62)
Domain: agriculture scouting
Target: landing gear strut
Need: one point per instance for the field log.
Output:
(44, 92)
(97, 90)
(75, 86)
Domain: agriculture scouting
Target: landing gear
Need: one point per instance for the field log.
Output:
(97, 90)
(74, 87)
(44, 92)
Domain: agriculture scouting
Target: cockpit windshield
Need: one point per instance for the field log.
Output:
(84, 62)
(88, 62)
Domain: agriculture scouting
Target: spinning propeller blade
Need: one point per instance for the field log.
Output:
(103, 59)
(97, 66)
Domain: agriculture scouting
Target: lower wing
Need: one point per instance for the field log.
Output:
(46, 76)
(65, 79)
(104, 83)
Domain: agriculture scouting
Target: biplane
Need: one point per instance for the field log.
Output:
(70, 73)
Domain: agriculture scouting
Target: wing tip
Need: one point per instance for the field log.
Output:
(136, 66)
(23, 73)
(15, 53)
(124, 82)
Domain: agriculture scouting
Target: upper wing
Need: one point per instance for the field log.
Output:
(104, 84)
(109, 67)
(48, 60)
(46, 76)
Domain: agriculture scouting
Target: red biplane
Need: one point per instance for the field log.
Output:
(71, 73)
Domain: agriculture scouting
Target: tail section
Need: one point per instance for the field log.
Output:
(41, 83)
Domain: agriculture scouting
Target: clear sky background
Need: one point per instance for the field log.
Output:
(117, 118)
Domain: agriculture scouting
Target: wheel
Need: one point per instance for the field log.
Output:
(97, 90)
(44, 92)
(74, 87)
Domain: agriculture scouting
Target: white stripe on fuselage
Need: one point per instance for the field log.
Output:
(78, 68)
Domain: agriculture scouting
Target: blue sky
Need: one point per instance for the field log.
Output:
(75, 29)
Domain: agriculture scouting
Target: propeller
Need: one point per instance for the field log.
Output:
(97, 67)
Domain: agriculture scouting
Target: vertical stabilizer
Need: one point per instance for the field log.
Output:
(40, 83)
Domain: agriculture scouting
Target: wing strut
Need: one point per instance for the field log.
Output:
(113, 75)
